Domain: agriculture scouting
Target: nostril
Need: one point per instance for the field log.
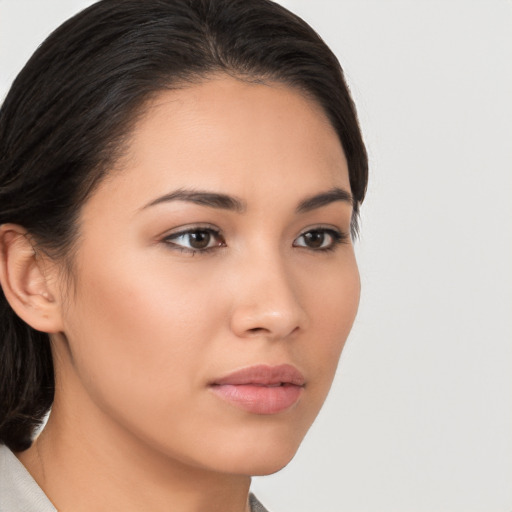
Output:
(257, 330)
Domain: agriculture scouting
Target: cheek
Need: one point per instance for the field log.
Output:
(143, 336)
(138, 334)
(332, 306)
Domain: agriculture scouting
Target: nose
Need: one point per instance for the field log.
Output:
(266, 301)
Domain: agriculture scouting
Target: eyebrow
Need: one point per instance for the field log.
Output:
(210, 199)
(325, 198)
(232, 203)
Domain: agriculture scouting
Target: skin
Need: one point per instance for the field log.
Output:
(143, 328)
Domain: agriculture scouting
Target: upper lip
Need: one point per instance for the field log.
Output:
(263, 375)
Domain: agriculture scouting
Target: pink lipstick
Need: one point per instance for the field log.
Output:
(261, 389)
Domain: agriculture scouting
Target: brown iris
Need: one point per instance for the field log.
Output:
(314, 239)
(199, 239)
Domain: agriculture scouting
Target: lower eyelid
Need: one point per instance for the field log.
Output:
(338, 237)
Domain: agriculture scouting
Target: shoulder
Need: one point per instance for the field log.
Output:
(18, 490)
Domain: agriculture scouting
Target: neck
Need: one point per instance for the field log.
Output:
(82, 468)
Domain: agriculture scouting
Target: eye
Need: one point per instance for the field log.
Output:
(320, 239)
(195, 240)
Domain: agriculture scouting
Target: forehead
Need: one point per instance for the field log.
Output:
(235, 137)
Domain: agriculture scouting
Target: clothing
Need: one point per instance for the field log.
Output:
(19, 492)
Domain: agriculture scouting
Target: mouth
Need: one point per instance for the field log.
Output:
(261, 389)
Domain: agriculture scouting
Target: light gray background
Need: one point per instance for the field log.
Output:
(420, 416)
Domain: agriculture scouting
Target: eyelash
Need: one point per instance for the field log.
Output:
(337, 238)
(214, 233)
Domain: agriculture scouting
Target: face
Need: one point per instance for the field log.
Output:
(214, 281)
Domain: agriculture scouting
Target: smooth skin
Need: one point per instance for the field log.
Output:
(172, 287)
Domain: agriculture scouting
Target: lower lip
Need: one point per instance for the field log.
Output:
(259, 399)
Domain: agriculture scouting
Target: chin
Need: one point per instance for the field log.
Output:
(254, 445)
(264, 468)
(258, 466)
(263, 457)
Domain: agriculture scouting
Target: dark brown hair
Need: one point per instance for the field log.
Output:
(67, 114)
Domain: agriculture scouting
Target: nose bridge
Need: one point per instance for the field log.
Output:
(266, 301)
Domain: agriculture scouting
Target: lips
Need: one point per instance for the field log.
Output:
(261, 389)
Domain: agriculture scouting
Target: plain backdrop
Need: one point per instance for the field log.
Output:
(420, 415)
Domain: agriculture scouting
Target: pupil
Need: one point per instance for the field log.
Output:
(200, 239)
(314, 239)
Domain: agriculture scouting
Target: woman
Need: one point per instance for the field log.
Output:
(179, 188)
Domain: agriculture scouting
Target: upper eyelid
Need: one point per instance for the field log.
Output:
(323, 227)
(338, 233)
(207, 227)
(192, 230)
(188, 228)
(183, 230)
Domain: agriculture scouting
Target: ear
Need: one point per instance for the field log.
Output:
(28, 280)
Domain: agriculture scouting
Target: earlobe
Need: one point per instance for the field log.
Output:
(26, 281)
